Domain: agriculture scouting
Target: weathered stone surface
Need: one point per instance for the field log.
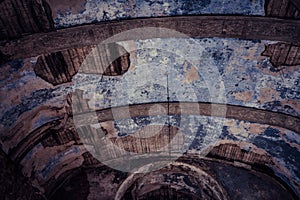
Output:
(13, 184)
(179, 177)
(38, 132)
(77, 188)
(264, 187)
(67, 13)
(283, 8)
(60, 67)
(217, 105)
(242, 153)
(149, 139)
(203, 26)
(204, 109)
(236, 69)
(236, 180)
(23, 17)
(283, 54)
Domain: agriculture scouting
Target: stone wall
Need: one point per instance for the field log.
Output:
(13, 184)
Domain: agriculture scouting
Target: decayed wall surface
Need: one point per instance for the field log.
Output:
(241, 76)
(12, 183)
(87, 11)
(228, 107)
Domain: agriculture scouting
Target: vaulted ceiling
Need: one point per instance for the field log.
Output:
(150, 99)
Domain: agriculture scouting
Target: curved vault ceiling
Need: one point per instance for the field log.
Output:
(225, 96)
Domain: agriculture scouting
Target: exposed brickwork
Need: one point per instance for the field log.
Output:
(59, 67)
(283, 54)
(283, 8)
(23, 17)
(40, 136)
(234, 152)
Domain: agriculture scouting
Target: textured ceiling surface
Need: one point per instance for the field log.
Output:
(86, 11)
(197, 114)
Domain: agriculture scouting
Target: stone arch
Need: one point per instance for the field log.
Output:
(201, 184)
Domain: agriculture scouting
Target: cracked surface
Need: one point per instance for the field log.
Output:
(229, 108)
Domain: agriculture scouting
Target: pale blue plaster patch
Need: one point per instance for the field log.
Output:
(98, 10)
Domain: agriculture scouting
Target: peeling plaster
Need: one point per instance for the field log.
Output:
(96, 10)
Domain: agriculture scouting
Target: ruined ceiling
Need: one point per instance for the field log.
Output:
(150, 99)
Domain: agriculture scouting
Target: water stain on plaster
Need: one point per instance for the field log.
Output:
(72, 6)
(267, 95)
(191, 73)
(256, 128)
(244, 96)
